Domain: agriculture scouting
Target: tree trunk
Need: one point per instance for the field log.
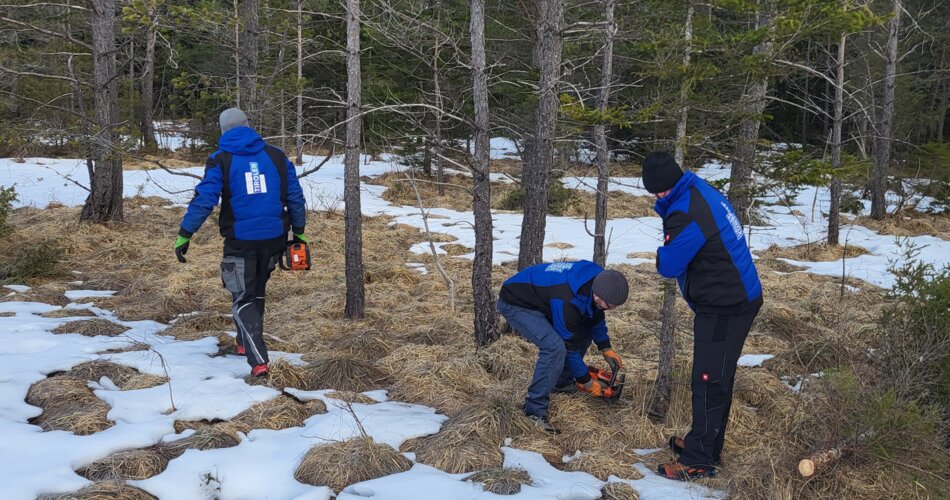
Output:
(249, 55)
(667, 337)
(600, 137)
(835, 209)
(538, 167)
(751, 105)
(437, 146)
(148, 84)
(667, 334)
(885, 125)
(486, 320)
(104, 202)
(298, 130)
(355, 295)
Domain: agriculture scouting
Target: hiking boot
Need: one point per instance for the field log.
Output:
(240, 350)
(543, 424)
(259, 370)
(682, 472)
(676, 444)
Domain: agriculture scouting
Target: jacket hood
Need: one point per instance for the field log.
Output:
(682, 186)
(241, 141)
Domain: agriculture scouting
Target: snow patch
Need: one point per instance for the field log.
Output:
(754, 359)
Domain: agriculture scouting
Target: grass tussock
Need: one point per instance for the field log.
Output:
(24, 261)
(416, 371)
(68, 313)
(124, 377)
(508, 358)
(126, 465)
(68, 405)
(619, 491)
(104, 490)
(200, 325)
(279, 413)
(344, 372)
(341, 464)
(219, 435)
(284, 374)
(47, 293)
(507, 481)
(471, 439)
(92, 327)
(814, 252)
(603, 466)
(909, 223)
(351, 397)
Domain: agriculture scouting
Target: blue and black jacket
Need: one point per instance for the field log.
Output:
(705, 250)
(260, 195)
(562, 291)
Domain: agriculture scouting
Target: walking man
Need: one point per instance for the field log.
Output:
(704, 248)
(559, 307)
(261, 200)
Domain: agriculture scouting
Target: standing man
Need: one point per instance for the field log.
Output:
(559, 307)
(261, 200)
(705, 250)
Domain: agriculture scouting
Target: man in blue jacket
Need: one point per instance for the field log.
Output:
(261, 200)
(559, 307)
(705, 249)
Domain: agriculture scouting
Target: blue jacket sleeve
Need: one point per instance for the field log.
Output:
(207, 194)
(557, 318)
(577, 366)
(683, 238)
(296, 203)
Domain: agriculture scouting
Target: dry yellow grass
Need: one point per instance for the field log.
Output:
(501, 481)
(813, 252)
(68, 313)
(619, 491)
(68, 405)
(92, 327)
(909, 223)
(470, 441)
(104, 490)
(279, 413)
(126, 378)
(351, 397)
(343, 463)
(125, 465)
(219, 435)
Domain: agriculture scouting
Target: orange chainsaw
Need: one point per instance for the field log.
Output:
(613, 380)
(296, 257)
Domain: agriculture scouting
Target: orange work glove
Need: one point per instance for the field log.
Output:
(612, 359)
(592, 387)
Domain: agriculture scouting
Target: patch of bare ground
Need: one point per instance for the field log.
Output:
(68, 404)
(104, 490)
(126, 465)
(507, 481)
(92, 327)
(909, 223)
(217, 435)
(813, 252)
(69, 313)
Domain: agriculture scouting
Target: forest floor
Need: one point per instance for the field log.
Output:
(417, 349)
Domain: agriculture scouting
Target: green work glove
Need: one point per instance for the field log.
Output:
(181, 248)
(300, 238)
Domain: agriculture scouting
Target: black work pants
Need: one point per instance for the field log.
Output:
(245, 274)
(717, 345)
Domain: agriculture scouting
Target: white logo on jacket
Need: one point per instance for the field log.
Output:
(736, 226)
(558, 267)
(254, 180)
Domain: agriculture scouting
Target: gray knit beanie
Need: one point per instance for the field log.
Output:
(611, 286)
(232, 118)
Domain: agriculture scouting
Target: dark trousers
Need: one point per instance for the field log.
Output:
(245, 274)
(717, 345)
(551, 370)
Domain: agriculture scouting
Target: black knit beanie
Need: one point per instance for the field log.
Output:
(611, 286)
(660, 172)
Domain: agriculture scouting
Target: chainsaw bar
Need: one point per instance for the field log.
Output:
(617, 387)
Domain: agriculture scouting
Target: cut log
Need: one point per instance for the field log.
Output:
(807, 467)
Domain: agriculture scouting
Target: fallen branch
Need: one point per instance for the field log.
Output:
(322, 163)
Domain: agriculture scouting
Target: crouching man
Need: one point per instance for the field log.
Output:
(261, 200)
(704, 248)
(559, 307)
